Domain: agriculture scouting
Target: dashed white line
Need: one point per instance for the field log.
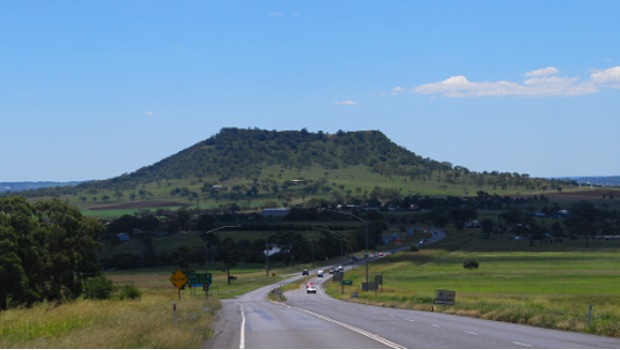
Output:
(526, 345)
(470, 332)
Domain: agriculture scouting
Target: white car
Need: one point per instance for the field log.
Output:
(310, 289)
(319, 274)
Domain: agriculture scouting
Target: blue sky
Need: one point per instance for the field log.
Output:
(94, 89)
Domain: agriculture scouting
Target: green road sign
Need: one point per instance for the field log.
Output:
(346, 282)
(199, 278)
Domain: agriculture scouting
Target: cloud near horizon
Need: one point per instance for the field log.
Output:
(539, 82)
(346, 103)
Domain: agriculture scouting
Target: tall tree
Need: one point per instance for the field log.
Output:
(230, 255)
(47, 248)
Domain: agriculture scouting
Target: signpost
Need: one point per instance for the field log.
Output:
(379, 282)
(200, 278)
(344, 283)
(445, 297)
(179, 279)
(338, 276)
(368, 286)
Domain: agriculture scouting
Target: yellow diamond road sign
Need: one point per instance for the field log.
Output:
(179, 279)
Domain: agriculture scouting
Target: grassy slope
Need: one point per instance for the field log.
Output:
(354, 181)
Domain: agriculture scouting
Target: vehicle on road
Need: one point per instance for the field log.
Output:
(319, 274)
(310, 288)
(305, 272)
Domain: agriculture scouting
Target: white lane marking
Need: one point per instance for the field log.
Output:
(355, 329)
(470, 332)
(242, 333)
(522, 344)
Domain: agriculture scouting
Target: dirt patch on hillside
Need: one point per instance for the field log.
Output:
(137, 205)
(599, 193)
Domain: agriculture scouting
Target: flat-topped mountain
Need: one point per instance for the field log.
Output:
(260, 165)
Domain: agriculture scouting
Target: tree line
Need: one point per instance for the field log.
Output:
(47, 250)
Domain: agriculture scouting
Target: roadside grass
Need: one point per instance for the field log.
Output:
(147, 322)
(144, 323)
(549, 286)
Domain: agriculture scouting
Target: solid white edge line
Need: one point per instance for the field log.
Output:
(242, 333)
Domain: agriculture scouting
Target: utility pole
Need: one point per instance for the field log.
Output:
(207, 249)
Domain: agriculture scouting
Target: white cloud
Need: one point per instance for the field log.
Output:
(542, 72)
(608, 77)
(346, 103)
(397, 91)
(539, 82)
(149, 114)
(459, 86)
(557, 86)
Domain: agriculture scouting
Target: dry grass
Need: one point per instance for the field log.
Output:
(148, 322)
(144, 323)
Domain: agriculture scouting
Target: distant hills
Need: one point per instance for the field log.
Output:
(33, 185)
(606, 181)
(253, 166)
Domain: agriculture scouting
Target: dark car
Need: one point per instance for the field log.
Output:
(305, 272)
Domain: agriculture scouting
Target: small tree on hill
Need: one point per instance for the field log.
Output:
(470, 264)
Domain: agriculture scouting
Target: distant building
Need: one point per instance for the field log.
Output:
(273, 250)
(123, 237)
(275, 212)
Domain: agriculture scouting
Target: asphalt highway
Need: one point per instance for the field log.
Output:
(317, 321)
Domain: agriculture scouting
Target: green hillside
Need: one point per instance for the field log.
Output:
(253, 168)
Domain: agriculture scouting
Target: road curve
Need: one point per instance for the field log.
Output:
(252, 322)
(319, 321)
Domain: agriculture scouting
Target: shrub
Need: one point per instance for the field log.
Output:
(98, 288)
(413, 248)
(129, 291)
(470, 264)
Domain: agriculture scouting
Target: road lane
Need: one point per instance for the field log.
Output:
(419, 329)
(253, 322)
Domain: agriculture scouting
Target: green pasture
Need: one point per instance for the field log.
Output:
(548, 285)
